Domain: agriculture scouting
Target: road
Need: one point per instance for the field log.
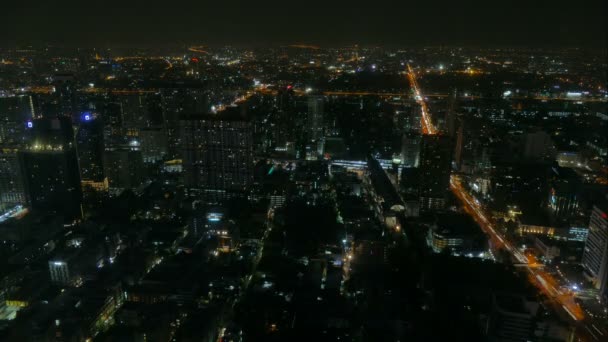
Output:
(560, 300)
(544, 281)
(427, 124)
(198, 49)
(468, 97)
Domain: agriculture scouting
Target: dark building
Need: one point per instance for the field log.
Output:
(315, 118)
(217, 152)
(134, 110)
(53, 133)
(154, 110)
(124, 169)
(154, 146)
(538, 146)
(175, 103)
(281, 134)
(450, 115)
(49, 167)
(458, 234)
(458, 151)
(435, 167)
(410, 149)
(513, 318)
(113, 121)
(286, 99)
(15, 113)
(65, 93)
(90, 149)
(90, 146)
(522, 183)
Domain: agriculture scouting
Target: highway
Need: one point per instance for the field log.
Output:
(543, 280)
(562, 301)
(427, 124)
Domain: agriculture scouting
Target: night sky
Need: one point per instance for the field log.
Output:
(260, 22)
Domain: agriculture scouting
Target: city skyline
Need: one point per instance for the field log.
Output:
(344, 171)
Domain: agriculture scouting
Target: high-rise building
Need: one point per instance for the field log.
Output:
(513, 318)
(410, 149)
(59, 271)
(153, 142)
(172, 102)
(134, 110)
(90, 146)
(538, 146)
(15, 113)
(286, 99)
(154, 111)
(124, 169)
(414, 122)
(65, 93)
(435, 167)
(56, 132)
(113, 122)
(90, 149)
(595, 255)
(458, 151)
(450, 115)
(49, 168)
(281, 134)
(217, 152)
(315, 118)
(11, 183)
(176, 102)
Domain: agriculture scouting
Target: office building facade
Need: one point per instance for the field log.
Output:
(435, 169)
(217, 152)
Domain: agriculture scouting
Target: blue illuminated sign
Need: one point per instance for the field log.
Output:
(214, 217)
